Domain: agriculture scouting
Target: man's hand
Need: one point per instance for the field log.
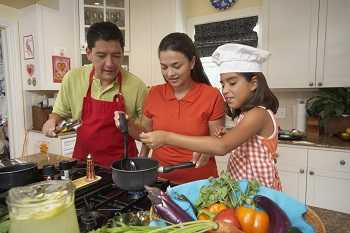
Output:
(49, 128)
(200, 159)
(116, 118)
(153, 139)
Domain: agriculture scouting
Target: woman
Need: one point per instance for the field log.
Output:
(186, 104)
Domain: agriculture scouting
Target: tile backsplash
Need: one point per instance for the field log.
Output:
(287, 118)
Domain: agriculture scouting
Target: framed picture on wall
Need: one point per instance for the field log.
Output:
(28, 47)
(60, 66)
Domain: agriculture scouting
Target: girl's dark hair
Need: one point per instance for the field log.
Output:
(180, 42)
(104, 31)
(262, 96)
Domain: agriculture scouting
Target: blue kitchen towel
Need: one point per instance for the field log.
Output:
(293, 208)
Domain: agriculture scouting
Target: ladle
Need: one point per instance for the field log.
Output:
(128, 164)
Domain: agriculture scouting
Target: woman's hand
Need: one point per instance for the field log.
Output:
(200, 159)
(153, 139)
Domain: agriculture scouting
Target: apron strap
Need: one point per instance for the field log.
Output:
(119, 94)
(119, 79)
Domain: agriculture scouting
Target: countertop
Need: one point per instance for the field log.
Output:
(323, 141)
(44, 159)
(335, 222)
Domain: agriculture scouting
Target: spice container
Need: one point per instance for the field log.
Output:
(43, 207)
(90, 169)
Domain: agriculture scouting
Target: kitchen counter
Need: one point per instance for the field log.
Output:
(323, 141)
(335, 222)
(44, 159)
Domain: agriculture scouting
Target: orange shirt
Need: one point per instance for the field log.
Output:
(189, 116)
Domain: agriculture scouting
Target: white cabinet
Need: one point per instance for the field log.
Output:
(333, 54)
(308, 41)
(62, 145)
(328, 179)
(46, 32)
(318, 177)
(221, 163)
(150, 21)
(290, 35)
(115, 11)
(292, 169)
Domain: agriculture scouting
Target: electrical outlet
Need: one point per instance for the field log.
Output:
(281, 113)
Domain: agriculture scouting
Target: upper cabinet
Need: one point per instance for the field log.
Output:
(307, 39)
(115, 11)
(150, 21)
(49, 41)
(333, 53)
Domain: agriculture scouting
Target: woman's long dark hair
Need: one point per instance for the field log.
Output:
(180, 42)
(262, 96)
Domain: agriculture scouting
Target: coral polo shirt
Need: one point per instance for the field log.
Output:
(189, 116)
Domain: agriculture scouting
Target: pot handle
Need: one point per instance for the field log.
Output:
(170, 168)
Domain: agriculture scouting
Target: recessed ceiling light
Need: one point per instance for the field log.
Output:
(96, 3)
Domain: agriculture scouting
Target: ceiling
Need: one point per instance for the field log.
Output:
(18, 4)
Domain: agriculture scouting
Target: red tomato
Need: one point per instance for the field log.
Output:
(227, 221)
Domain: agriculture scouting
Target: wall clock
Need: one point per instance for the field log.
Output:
(222, 4)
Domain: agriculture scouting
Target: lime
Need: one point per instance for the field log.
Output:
(347, 130)
(345, 136)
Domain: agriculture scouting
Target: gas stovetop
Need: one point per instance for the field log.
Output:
(100, 201)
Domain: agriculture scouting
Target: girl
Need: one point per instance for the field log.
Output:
(252, 142)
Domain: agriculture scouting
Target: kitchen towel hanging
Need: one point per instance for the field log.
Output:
(301, 115)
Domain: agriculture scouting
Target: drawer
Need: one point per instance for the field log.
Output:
(291, 157)
(329, 160)
(67, 145)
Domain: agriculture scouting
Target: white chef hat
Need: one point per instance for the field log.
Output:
(239, 58)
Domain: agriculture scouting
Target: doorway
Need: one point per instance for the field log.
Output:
(11, 94)
(4, 142)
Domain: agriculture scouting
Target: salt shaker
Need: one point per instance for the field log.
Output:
(65, 167)
(90, 169)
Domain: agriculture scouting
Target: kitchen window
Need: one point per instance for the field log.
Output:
(209, 32)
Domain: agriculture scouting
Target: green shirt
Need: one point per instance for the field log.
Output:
(69, 101)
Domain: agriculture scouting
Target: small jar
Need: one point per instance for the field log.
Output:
(43, 207)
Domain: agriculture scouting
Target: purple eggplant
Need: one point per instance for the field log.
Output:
(279, 221)
(166, 208)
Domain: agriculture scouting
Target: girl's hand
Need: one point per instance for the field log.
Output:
(219, 132)
(153, 139)
(116, 118)
(200, 159)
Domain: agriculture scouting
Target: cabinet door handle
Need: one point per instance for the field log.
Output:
(301, 171)
(319, 84)
(342, 162)
(311, 173)
(311, 84)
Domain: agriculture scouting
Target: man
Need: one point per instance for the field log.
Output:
(94, 92)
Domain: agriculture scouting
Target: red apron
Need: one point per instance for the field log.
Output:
(98, 134)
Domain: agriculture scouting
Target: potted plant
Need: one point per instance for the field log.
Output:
(332, 107)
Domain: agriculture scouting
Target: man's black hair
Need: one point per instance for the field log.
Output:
(104, 31)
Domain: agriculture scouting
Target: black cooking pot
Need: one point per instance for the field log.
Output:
(146, 172)
(18, 175)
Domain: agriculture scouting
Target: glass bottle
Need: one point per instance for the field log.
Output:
(43, 207)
